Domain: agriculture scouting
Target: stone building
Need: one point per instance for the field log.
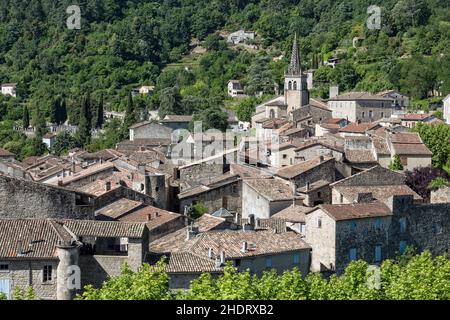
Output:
(5, 155)
(150, 129)
(380, 182)
(44, 253)
(220, 192)
(361, 106)
(265, 197)
(374, 231)
(9, 89)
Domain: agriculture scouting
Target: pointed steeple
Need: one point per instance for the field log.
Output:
(294, 67)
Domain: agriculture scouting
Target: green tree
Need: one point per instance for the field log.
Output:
(396, 163)
(438, 183)
(26, 118)
(246, 108)
(436, 138)
(83, 134)
(100, 113)
(63, 143)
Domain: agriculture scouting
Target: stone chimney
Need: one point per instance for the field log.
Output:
(66, 283)
(210, 253)
(334, 91)
(191, 232)
(308, 185)
(244, 247)
(108, 186)
(365, 197)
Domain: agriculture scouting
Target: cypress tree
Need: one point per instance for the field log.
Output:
(63, 111)
(100, 113)
(84, 129)
(26, 118)
(53, 112)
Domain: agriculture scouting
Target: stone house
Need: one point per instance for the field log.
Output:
(9, 89)
(401, 101)
(265, 197)
(43, 253)
(300, 174)
(361, 106)
(374, 231)
(410, 120)
(294, 218)
(177, 122)
(315, 148)
(282, 155)
(382, 183)
(235, 88)
(240, 36)
(150, 130)
(220, 192)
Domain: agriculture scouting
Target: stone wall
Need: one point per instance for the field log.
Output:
(151, 130)
(26, 199)
(96, 269)
(324, 171)
(227, 196)
(316, 151)
(441, 196)
(24, 274)
(121, 192)
(197, 174)
(377, 176)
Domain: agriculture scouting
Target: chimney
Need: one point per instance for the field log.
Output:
(244, 247)
(307, 186)
(149, 217)
(186, 215)
(19, 249)
(210, 253)
(191, 232)
(258, 223)
(222, 257)
(141, 148)
(334, 91)
(108, 186)
(60, 183)
(157, 214)
(321, 158)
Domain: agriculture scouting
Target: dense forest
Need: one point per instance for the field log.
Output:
(125, 44)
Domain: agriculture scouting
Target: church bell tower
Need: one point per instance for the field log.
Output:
(296, 93)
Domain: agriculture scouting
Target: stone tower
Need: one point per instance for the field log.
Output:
(296, 93)
(155, 187)
(68, 272)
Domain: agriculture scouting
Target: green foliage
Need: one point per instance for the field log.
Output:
(148, 283)
(198, 210)
(212, 118)
(20, 294)
(396, 163)
(438, 183)
(64, 142)
(246, 108)
(3, 296)
(436, 138)
(411, 277)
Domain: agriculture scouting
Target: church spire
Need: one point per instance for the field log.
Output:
(294, 67)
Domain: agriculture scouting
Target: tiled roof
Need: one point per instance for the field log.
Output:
(271, 189)
(415, 116)
(118, 208)
(381, 193)
(94, 169)
(404, 137)
(356, 211)
(293, 213)
(176, 241)
(177, 118)
(359, 156)
(297, 169)
(213, 184)
(350, 96)
(111, 229)
(259, 243)
(274, 224)
(222, 213)
(188, 262)
(153, 217)
(358, 127)
(37, 237)
(411, 149)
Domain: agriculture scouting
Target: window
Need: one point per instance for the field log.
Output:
(284, 156)
(352, 254)
(4, 267)
(370, 114)
(142, 187)
(402, 246)
(378, 253)
(363, 114)
(47, 274)
(319, 194)
(290, 85)
(269, 262)
(378, 223)
(319, 223)
(237, 262)
(296, 258)
(342, 198)
(382, 114)
(295, 85)
(402, 225)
